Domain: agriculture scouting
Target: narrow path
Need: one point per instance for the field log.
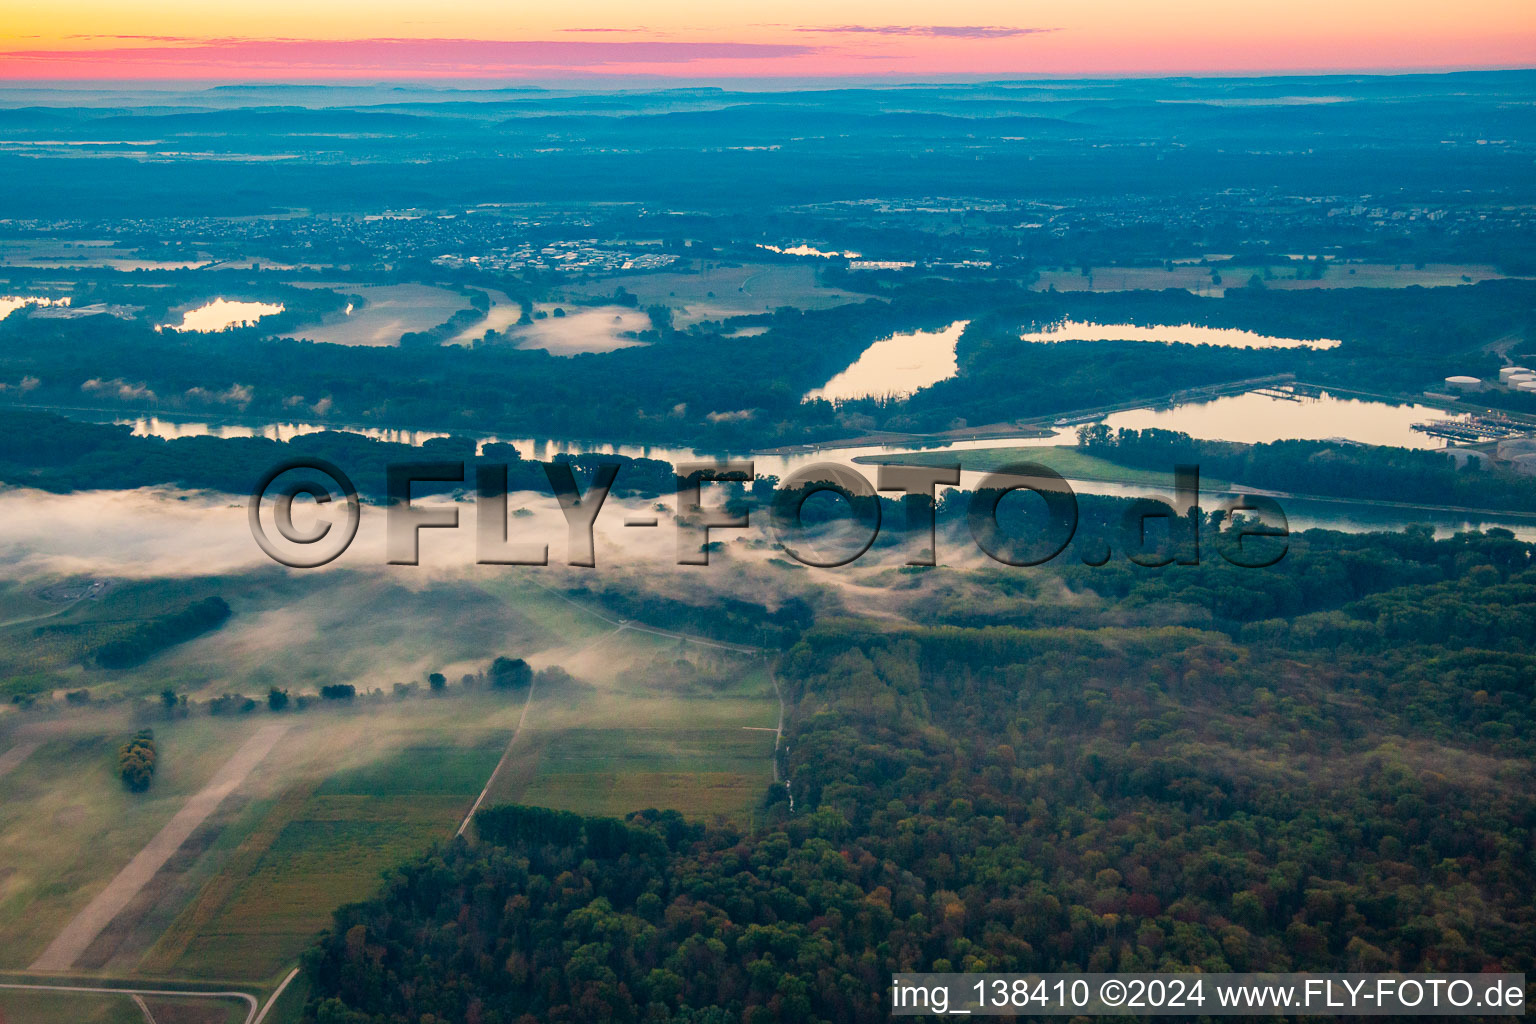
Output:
(506, 755)
(11, 759)
(778, 738)
(77, 936)
(45, 615)
(522, 720)
(138, 1001)
(247, 998)
(275, 996)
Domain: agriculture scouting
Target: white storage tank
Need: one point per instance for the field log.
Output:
(1507, 372)
(1463, 383)
(1526, 385)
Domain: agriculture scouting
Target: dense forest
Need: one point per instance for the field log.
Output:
(1337, 777)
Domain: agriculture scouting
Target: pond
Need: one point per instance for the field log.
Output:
(224, 313)
(896, 366)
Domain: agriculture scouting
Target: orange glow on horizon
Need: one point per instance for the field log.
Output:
(289, 40)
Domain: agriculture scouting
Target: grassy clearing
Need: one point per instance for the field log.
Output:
(558, 621)
(67, 1008)
(716, 292)
(699, 794)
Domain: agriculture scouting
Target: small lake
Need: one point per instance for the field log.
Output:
(1185, 334)
(1258, 417)
(224, 313)
(896, 366)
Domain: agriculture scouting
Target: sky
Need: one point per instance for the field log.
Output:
(301, 40)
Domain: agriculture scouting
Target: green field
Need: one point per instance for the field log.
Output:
(67, 1008)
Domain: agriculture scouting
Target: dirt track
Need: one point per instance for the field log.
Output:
(17, 754)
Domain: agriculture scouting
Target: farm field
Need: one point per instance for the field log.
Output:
(25, 1007)
(647, 722)
(67, 825)
(44, 1007)
(319, 847)
(632, 720)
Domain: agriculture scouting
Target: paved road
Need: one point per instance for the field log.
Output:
(78, 935)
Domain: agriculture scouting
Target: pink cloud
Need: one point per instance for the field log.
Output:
(932, 31)
(217, 58)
